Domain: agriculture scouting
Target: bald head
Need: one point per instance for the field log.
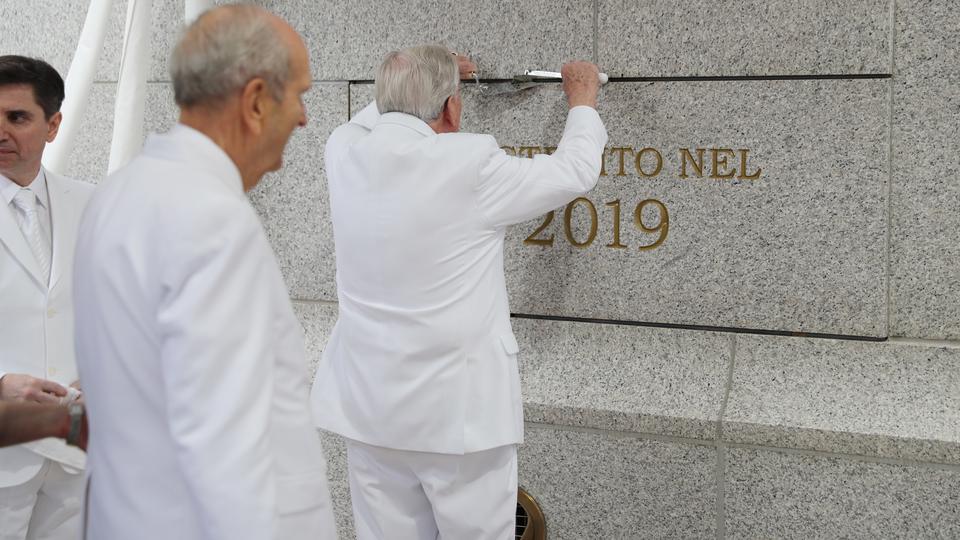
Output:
(225, 48)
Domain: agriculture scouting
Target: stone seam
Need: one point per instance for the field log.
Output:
(890, 170)
(726, 445)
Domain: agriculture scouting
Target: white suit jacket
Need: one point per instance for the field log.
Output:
(423, 357)
(36, 318)
(192, 359)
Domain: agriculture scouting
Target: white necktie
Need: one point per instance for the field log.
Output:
(26, 202)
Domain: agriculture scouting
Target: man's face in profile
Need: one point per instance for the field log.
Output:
(290, 112)
(24, 132)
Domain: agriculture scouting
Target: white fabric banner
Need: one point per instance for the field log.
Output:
(132, 85)
(78, 84)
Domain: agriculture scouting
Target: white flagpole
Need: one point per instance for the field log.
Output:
(132, 85)
(78, 84)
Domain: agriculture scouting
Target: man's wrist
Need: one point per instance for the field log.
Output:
(75, 412)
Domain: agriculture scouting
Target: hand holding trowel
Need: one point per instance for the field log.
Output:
(529, 79)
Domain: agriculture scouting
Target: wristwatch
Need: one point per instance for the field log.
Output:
(75, 410)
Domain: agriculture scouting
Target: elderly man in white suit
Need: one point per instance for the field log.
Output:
(40, 482)
(187, 343)
(420, 372)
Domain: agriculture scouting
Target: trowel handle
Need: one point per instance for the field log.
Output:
(556, 75)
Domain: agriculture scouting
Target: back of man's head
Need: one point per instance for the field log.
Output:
(223, 50)
(46, 82)
(417, 81)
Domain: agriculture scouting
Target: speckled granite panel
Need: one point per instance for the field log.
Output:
(335, 451)
(317, 320)
(925, 251)
(348, 40)
(293, 202)
(800, 248)
(624, 378)
(778, 495)
(735, 37)
(877, 399)
(598, 486)
(50, 29)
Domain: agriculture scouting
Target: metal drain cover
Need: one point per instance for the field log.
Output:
(530, 522)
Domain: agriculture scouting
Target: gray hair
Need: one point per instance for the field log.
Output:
(417, 81)
(222, 50)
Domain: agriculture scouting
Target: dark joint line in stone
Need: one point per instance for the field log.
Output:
(705, 328)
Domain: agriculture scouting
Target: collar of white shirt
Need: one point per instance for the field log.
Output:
(407, 120)
(183, 143)
(9, 188)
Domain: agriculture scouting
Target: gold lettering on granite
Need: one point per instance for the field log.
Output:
(568, 225)
(743, 167)
(639, 165)
(718, 163)
(696, 164)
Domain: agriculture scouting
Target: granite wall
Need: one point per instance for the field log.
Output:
(772, 348)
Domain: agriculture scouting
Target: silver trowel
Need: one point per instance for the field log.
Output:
(529, 79)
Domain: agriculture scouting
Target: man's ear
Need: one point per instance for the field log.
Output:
(253, 104)
(53, 126)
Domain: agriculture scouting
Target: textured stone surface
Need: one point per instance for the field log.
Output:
(878, 399)
(799, 249)
(294, 204)
(779, 495)
(624, 378)
(317, 320)
(335, 452)
(925, 214)
(598, 486)
(348, 40)
(735, 37)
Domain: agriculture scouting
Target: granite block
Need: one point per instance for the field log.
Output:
(800, 248)
(335, 452)
(925, 215)
(664, 38)
(877, 399)
(347, 40)
(625, 378)
(593, 485)
(781, 495)
(293, 202)
(317, 320)
(50, 29)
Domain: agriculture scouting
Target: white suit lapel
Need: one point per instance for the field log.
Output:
(62, 218)
(12, 237)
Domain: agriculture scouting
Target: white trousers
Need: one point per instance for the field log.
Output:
(46, 507)
(400, 495)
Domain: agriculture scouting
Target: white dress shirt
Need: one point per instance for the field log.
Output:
(9, 189)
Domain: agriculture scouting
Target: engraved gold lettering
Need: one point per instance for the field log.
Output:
(718, 163)
(662, 227)
(622, 150)
(530, 150)
(547, 220)
(603, 162)
(549, 150)
(616, 225)
(696, 164)
(568, 226)
(509, 149)
(639, 164)
(743, 167)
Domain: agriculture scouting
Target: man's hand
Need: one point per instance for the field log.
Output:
(581, 83)
(467, 68)
(19, 387)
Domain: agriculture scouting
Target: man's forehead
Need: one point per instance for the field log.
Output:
(17, 96)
